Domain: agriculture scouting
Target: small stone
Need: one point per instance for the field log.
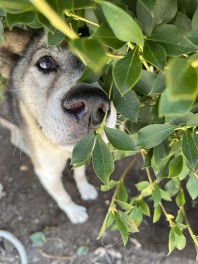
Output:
(23, 168)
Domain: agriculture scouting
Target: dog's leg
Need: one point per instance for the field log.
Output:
(48, 165)
(87, 191)
(53, 184)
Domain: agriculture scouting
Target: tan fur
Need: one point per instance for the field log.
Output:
(14, 44)
(47, 133)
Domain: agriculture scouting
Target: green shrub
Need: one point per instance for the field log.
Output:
(145, 55)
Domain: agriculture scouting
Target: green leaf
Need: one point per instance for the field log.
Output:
(136, 215)
(175, 166)
(152, 135)
(142, 185)
(119, 154)
(147, 83)
(179, 219)
(190, 149)
(173, 40)
(35, 23)
(22, 18)
(195, 20)
(155, 12)
(182, 80)
(159, 85)
(55, 38)
(82, 150)
(180, 199)
(106, 35)
(130, 224)
(157, 213)
(144, 207)
(16, 7)
(111, 185)
(122, 24)
(109, 218)
(126, 71)
(156, 195)
(165, 195)
(120, 140)
(159, 153)
(147, 160)
(169, 107)
(193, 36)
(185, 170)
(102, 161)
(89, 76)
(91, 52)
(124, 205)
(45, 23)
(38, 239)
(183, 21)
(128, 105)
(180, 240)
(188, 7)
(122, 228)
(172, 186)
(60, 5)
(193, 120)
(122, 194)
(145, 15)
(2, 12)
(192, 187)
(181, 120)
(171, 241)
(155, 54)
(147, 191)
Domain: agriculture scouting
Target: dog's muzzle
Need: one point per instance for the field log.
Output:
(86, 104)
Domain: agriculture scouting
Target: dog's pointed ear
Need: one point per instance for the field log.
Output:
(12, 47)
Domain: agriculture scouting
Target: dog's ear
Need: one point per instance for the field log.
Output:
(13, 46)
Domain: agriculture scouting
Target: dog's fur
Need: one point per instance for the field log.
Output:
(45, 131)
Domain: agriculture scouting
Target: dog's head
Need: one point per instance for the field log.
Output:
(44, 79)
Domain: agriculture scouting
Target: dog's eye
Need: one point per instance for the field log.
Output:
(46, 64)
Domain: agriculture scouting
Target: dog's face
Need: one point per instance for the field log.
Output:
(45, 81)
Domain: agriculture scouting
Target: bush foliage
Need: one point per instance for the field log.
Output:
(145, 56)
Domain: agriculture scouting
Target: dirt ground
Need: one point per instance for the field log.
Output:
(27, 208)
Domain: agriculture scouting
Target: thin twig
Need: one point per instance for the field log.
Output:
(56, 256)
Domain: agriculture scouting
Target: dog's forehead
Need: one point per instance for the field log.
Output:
(60, 52)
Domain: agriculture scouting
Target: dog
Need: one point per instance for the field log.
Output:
(52, 111)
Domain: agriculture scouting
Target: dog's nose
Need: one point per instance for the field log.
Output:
(87, 104)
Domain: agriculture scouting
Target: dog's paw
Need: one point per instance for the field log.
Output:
(76, 213)
(87, 191)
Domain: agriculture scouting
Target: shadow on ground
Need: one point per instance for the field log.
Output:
(26, 208)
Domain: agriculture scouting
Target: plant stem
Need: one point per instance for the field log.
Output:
(120, 182)
(112, 207)
(100, 129)
(131, 46)
(54, 18)
(168, 216)
(147, 169)
(113, 55)
(188, 225)
(69, 14)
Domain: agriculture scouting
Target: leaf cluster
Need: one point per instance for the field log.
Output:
(145, 56)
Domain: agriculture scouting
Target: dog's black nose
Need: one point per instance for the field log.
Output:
(87, 104)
